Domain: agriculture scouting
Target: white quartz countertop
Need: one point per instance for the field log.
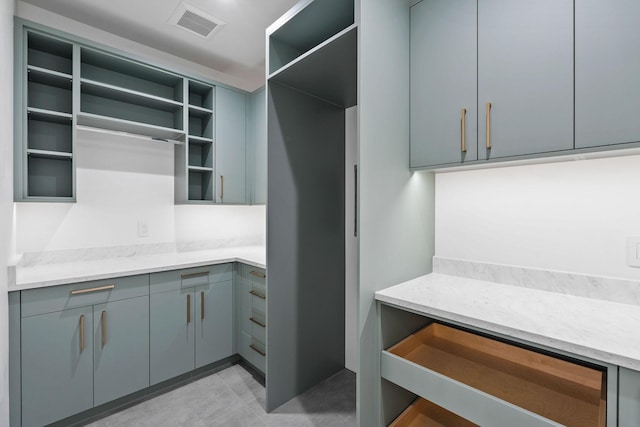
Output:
(601, 330)
(44, 275)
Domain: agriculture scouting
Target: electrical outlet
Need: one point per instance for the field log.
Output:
(143, 229)
(633, 251)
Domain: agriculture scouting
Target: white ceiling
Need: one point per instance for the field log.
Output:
(237, 49)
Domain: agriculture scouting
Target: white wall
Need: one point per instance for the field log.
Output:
(572, 216)
(145, 53)
(7, 8)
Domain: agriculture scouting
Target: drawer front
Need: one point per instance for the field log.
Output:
(58, 298)
(258, 351)
(258, 304)
(258, 326)
(190, 277)
(254, 274)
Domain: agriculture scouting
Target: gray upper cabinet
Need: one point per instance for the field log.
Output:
(525, 71)
(629, 398)
(607, 69)
(231, 139)
(443, 82)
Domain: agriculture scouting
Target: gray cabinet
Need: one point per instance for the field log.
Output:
(252, 335)
(443, 82)
(525, 71)
(191, 320)
(82, 345)
(231, 139)
(57, 365)
(607, 56)
(629, 398)
(523, 102)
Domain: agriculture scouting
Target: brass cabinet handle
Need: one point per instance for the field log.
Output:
(488, 125)
(104, 328)
(85, 291)
(258, 274)
(257, 322)
(463, 126)
(202, 305)
(81, 333)
(188, 308)
(192, 275)
(221, 187)
(257, 350)
(259, 295)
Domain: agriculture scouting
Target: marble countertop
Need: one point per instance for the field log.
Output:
(51, 274)
(602, 330)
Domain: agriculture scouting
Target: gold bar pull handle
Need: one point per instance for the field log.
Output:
(257, 350)
(188, 308)
(81, 333)
(257, 294)
(463, 126)
(104, 328)
(202, 305)
(86, 291)
(192, 275)
(257, 322)
(258, 274)
(488, 126)
(221, 187)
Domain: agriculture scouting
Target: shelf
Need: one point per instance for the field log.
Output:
(48, 154)
(49, 97)
(49, 135)
(424, 413)
(200, 126)
(201, 155)
(308, 27)
(104, 90)
(120, 125)
(200, 169)
(199, 111)
(329, 71)
(200, 185)
(49, 53)
(439, 360)
(122, 73)
(49, 77)
(49, 116)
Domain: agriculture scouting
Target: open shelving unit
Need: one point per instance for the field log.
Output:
(48, 153)
(461, 371)
(197, 156)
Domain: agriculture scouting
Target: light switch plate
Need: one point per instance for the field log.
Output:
(143, 229)
(633, 251)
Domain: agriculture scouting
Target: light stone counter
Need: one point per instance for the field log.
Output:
(600, 329)
(37, 275)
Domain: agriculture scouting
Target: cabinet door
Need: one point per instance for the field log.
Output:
(121, 348)
(629, 398)
(231, 110)
(525, 70)
(57, 372)
(443, 82)
(607, 70)
(172, 334)
(214, 322)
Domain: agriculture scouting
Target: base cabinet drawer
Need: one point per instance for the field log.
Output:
(252, 336)
(487, 381)
(629, 398)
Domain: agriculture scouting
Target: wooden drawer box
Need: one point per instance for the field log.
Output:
(424, 413)
(485, 380)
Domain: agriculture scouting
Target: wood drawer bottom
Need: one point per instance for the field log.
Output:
(422, 413)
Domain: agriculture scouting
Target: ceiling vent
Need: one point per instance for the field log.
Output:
(195, 20)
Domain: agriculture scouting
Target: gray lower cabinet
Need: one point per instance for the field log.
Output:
(444, 82)
(253, 319)
(629, 398)
(607, 67)
(82, 345)
(191, 315)
(57, 370)
(231, 150)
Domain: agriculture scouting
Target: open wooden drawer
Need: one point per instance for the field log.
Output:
(422, 413)
(490, 382)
